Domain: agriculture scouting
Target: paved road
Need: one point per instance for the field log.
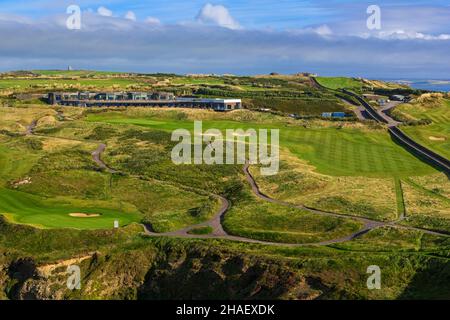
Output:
(384, 112)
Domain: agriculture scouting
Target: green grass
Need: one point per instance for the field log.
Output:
(24, 84)
(74, 73)
(337, 152)
(261, 220)
(165, 207)
(401, 211)
(439, 127)
(339, 83)
(14, 163)
(201, 230)
(199, 80)
(20, 207)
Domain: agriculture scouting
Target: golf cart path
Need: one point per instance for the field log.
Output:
(216, 221)
(30, 129)
(218, 231)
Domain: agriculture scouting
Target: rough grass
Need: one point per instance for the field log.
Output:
(297, 183)
(258, 219)
(425, 208)
(165, 207)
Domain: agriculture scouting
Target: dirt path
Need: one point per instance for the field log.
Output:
(30, 129)
(96, 156)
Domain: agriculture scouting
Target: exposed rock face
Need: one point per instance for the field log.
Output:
(167, 273)
(209, 275)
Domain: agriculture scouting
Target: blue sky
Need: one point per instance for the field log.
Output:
(243, 37)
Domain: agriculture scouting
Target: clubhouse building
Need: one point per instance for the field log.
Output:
(139, 99)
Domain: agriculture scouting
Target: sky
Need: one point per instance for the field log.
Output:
(328, 37)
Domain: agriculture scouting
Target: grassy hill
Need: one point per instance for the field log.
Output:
(351, 168)
(429, 116)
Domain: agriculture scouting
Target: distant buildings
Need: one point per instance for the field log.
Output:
(398, 97)
(306, 74)
(334, 115)
(139, 99)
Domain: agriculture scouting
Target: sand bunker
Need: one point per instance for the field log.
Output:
(84, 215)
(432, 138)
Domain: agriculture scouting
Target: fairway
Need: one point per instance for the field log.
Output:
(339, 83)
(336, 152)
(436, 135)
(24, 208)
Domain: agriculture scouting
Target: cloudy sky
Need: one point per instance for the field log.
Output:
(329, 37)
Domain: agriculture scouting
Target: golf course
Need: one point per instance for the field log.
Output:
(344, 186)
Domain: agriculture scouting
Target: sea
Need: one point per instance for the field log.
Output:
(432, 85)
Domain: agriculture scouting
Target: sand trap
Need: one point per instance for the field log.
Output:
(84, 215)
(437, 138)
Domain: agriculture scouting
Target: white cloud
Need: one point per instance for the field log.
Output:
(190, 49)
(152, 20)
(130, 15)
(217, 15)
(105, 12)
(410, 35)
(323, 30)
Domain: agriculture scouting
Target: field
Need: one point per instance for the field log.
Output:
(22, 208)
(339, 83)
(268, 222)
(297, 183)
(333, 151)
(58, 205)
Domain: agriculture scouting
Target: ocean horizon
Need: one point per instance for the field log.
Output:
(425, 84)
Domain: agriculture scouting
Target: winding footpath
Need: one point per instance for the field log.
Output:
(218, 232)
(216, 222)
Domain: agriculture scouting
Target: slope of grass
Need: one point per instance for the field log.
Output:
(24, 208)
(261, 220)
(339, 83)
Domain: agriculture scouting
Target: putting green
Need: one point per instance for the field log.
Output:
(20, 207)
(336, 152)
